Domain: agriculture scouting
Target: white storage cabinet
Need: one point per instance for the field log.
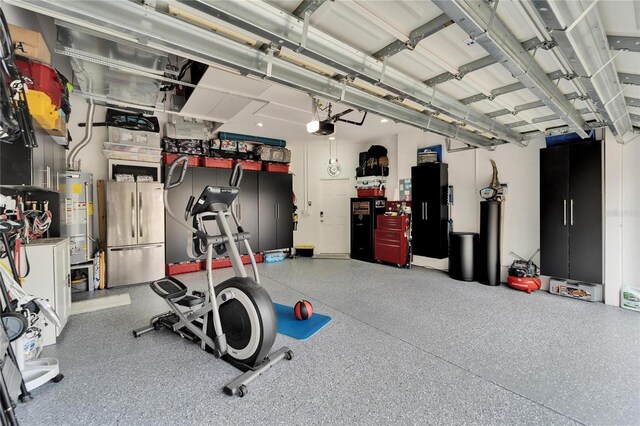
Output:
(50, 279)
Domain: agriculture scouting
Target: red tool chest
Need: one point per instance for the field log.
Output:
(391, 240)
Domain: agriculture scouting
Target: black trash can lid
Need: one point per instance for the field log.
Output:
(464, 234)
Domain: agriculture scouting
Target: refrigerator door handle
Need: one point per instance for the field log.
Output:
(133, 216)
(86, 211)
(565, 211)
(140, 213)
(136, 247)
(571, 212)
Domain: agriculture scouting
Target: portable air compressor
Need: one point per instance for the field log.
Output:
(523, 274)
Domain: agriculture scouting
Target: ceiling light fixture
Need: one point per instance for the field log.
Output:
(259, 124)
(332, 138)
(384, 120)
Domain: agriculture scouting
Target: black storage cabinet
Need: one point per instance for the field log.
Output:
(364, 212)
(571, 211)
(430, 214)
(264, 208)
(275, 211)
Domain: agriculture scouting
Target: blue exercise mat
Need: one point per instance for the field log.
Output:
(292, 327)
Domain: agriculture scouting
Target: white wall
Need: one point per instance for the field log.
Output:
(317, 154)
(622, 217)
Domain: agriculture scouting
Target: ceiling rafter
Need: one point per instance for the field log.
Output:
(479, 64)
(625, 44)
(482, 23)
(416, 36)
(308, 6)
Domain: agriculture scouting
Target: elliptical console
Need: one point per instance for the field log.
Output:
(235, 320)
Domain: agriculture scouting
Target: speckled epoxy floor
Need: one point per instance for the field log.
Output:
(404, 346)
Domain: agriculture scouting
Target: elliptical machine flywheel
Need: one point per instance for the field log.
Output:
(234, 320)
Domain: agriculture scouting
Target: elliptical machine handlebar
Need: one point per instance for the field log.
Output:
(168, 184)
(236, 175)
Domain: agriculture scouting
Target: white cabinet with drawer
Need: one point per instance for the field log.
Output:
(50, 279)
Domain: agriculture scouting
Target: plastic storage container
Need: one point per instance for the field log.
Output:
(41, 109)
(134, 137)
(183, 268)
(576, 290)
(370, 192)
(275, 167)
(131, 156)
(132, 148)
(168, 159)
(217, 163)
(43, 79)
(180, 127)
(251, 165)
(630, 298)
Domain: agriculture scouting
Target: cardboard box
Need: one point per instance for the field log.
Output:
(60, 129)
(30, 44)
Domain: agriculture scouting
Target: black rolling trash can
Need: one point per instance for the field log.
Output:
(462, 247)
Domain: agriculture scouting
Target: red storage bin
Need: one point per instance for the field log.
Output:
(225, 262)
(371, 192)
(182, 268)
(216, 163)
(168, 159)
(276, 167)
(44, 79)
(251, 165)
(219, 263)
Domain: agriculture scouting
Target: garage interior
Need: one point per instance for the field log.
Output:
(429, 176)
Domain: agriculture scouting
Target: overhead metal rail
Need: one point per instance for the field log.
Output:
(480, 21)
(577, 28)
(416, 36)
(481, 63)
(623, 43)
(528, 106)
(634, 102)
(282, 29)
(308, 7)
(625, 78)
(121, 18)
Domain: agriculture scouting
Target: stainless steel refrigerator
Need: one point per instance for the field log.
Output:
(78, 222)
(135, 233)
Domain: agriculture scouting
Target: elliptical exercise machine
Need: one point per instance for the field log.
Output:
(235, 320)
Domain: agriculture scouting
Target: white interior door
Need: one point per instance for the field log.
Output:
(334, 215)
